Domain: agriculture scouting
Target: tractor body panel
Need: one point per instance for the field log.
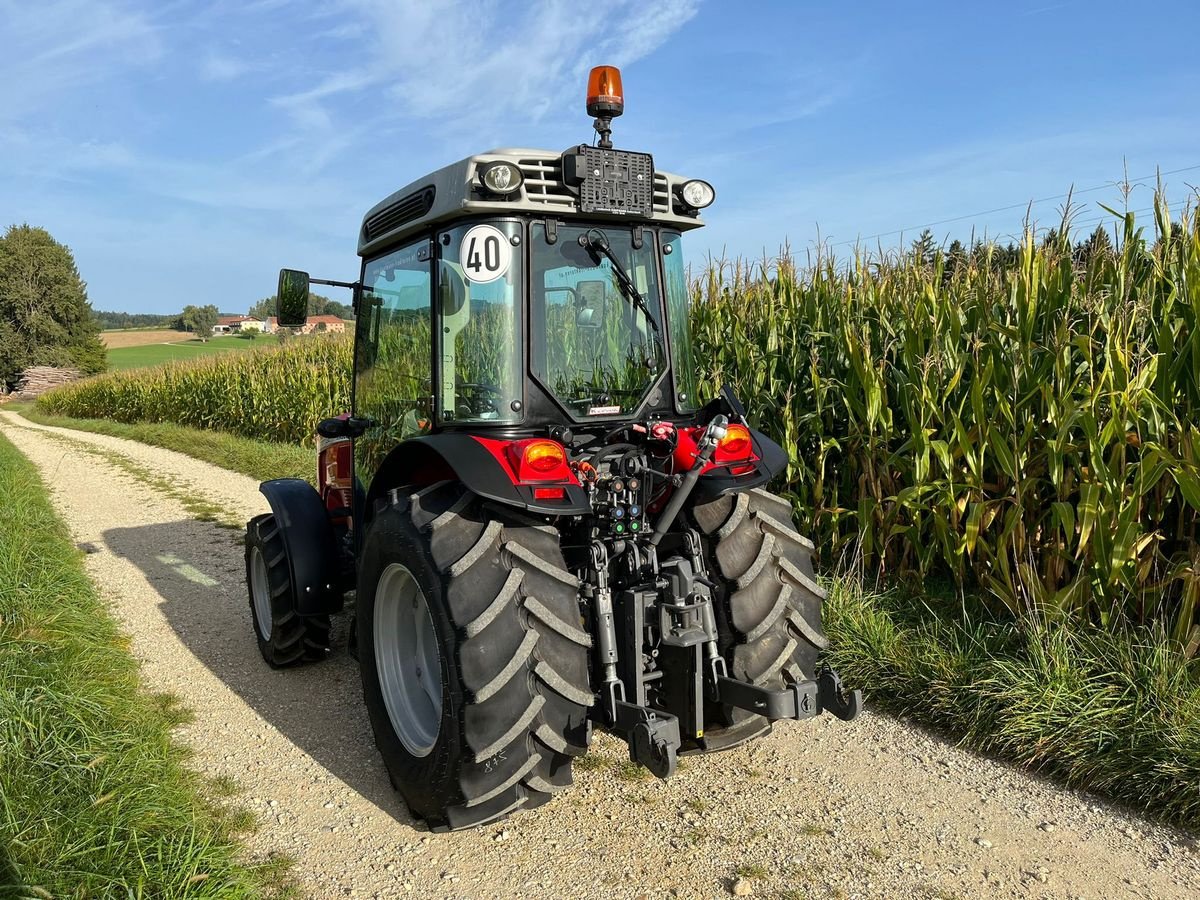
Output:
(484, 470)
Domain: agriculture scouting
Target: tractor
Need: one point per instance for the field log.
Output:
(538, 525)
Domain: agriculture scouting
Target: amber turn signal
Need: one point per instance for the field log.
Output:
(736, 443)
(544, 456)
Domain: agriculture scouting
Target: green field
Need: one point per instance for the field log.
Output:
(156, 354)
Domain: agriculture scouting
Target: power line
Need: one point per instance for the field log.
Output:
(1000, 209)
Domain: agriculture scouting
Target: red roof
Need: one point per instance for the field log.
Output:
(328, 320)
(235, 320)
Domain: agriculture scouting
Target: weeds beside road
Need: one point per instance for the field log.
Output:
(96, 798)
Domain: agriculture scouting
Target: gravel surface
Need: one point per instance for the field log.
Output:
(872, 808)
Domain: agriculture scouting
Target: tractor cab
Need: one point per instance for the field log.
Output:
(542, 526)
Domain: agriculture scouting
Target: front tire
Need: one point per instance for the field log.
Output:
(501, 615)
(768, 603)
(285, 637)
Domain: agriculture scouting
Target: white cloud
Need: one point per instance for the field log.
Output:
(54, 47)
(218, 67)
(467, 59)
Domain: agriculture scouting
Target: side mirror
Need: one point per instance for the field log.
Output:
(291, 299)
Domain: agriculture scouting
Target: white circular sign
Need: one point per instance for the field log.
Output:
(484, 254)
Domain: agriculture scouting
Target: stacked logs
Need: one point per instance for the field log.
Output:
(36, 380)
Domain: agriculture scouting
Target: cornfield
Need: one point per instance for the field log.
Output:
(272, 394)
(1026, 427)
(1029, 429)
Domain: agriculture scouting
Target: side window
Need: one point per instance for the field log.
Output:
(683, 362)
(392, 373)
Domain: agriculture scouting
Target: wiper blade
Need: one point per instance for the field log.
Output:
(597, 243)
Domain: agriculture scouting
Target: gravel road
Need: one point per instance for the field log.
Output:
(873, 808)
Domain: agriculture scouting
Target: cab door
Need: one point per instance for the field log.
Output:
(393, 358)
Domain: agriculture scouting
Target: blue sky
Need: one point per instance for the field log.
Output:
(185, 151)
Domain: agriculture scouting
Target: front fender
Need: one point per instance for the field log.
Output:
(435, 457)
(310, 542)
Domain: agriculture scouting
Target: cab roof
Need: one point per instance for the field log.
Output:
(452, 192)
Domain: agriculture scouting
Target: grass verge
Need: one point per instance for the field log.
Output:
(1113, 713)
(258, 459)
(95, 796)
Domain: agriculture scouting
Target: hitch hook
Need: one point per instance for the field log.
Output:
(833, 697)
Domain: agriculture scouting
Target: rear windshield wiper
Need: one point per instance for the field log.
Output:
(597, 243)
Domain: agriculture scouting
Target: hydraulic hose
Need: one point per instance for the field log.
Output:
(708, 444)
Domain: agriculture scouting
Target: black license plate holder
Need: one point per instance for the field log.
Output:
(617, 182)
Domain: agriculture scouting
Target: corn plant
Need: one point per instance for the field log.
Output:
(1028, 427)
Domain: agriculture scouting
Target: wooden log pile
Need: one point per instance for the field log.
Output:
(36, 380)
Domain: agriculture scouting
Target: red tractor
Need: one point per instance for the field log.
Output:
(541, 526)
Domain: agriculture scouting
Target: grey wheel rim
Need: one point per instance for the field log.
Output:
(260, 592)
(407, 659)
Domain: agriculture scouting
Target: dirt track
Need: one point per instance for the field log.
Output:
(874, 808)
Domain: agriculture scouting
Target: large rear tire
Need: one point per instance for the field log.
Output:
(285, 637)
(502, 612)
(768, 603)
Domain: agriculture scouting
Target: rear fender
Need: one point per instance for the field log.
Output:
(772, 459)
(436, 457)
(312, 549)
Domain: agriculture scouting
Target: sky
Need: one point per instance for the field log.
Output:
(186, 151)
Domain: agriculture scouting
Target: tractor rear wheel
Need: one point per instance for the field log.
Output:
(285, 637)
(768, 603)
(474, 662)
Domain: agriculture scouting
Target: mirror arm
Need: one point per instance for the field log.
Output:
(352, 285)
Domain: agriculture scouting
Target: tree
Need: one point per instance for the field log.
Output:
(45, 317)
(924, 248)
(201, 320)
(1097, 244)
(956, 258)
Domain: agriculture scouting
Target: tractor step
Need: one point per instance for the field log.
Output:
(800, 700)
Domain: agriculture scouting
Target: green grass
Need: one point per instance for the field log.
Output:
(95, 796)
(258, 459)
(156, 354)
(1117, 713)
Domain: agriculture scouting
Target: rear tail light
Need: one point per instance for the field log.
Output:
(539, 459)
(736, 444)
(543, 456)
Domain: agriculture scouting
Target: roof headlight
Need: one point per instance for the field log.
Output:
(501, 178)
(697, 194)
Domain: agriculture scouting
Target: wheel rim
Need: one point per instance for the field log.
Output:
(407, 659)
(260, 592)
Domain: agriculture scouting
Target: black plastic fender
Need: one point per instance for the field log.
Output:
(447, 455)
(772, 459)
(311, 546)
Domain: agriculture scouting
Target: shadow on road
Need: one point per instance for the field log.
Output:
(199, 571)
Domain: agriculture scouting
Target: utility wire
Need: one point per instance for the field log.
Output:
(1000, 209)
